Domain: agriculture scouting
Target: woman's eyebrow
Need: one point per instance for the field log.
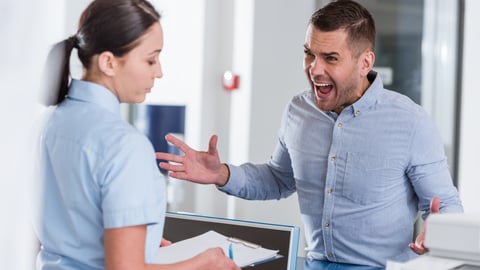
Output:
(155, 52)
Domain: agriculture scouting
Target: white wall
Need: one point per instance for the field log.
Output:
(469, 161)
(27, 28)
(216, 103)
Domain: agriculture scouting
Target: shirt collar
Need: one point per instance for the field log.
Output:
(370, 96)
(93, 93)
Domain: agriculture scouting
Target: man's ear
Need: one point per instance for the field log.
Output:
(367, 61)
(106, 63)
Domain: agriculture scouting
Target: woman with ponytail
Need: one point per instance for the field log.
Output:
(103, 198)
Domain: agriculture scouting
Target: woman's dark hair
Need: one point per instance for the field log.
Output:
(351, 16)
(105, 25)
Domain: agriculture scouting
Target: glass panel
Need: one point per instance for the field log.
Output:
(398, 49)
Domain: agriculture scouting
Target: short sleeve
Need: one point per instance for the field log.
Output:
(132, 190)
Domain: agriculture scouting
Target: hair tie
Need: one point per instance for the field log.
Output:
(73, 41)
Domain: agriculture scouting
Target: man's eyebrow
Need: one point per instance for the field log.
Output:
(305, 46)
(330, 54)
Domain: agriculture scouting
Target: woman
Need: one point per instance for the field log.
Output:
(103, 203)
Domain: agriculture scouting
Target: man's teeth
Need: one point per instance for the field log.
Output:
(322, 84)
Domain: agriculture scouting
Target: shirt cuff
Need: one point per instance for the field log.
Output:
(236, 181)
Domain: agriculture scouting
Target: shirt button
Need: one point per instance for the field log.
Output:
(329, 191)
(357, 112)
(327, 224)
(330, 255)
(333, 158)
(340, 125)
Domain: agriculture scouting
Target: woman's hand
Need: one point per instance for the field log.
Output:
(164, 242)
(216, 259)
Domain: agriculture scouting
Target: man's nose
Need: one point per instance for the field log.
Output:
(317, 67)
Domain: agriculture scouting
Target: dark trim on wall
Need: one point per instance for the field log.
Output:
(458, 93)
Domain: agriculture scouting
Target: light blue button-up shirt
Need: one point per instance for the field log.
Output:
(97, 172)
(361, 176)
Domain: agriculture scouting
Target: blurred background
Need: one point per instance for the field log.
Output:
(426, 49)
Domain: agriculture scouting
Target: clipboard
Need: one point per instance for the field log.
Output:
(243, 253)
(181, 226)
(235, 240)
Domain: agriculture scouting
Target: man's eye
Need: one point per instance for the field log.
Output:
(307, 52)
(151, 62)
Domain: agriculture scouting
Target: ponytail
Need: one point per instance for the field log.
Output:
(57, 72)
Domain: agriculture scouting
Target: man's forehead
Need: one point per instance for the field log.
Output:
(317, 38)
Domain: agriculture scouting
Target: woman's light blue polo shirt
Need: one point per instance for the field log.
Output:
(97, 172)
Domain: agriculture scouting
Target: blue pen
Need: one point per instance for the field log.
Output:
(230, 251)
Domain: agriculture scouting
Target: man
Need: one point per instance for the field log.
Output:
(363, 160)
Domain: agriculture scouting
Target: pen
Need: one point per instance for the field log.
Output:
(230, 251)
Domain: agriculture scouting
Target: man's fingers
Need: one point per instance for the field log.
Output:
(169, 157)
(163, 156)
(212, 144)
(174, 167)
(177, 142)
(416, 249)
(165, 165)
(177, 175)
(435, 205)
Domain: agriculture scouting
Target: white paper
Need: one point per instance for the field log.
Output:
(186, 249)
(391, 265)
(426, 262)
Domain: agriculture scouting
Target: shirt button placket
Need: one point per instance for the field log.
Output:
(332, 159)
(328, 200)
(329, 206)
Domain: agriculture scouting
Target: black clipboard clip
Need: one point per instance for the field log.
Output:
(243, 242)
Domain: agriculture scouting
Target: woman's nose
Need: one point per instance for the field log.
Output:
(158, 71)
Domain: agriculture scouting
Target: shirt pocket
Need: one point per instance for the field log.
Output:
(366, 178)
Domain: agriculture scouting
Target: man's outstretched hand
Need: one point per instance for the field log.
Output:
(196, 166)
(418, 247)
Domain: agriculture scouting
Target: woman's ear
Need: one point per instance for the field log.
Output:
(106, 63)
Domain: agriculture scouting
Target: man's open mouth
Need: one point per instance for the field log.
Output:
(322, 89)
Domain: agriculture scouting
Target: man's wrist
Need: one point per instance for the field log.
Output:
(224, 175)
